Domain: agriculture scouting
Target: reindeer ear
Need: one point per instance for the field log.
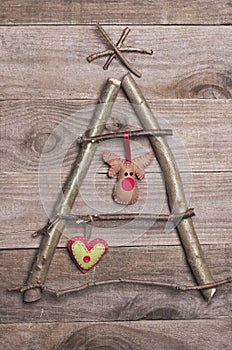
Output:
(144, 160)
(114, 161)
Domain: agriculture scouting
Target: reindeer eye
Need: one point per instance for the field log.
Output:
(125, 174)
(131, 173)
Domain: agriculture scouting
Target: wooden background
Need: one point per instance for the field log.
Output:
(45, 81)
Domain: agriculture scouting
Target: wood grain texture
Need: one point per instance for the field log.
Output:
(201, 128)
(25, 207)
(50, 61)
(110, 11)
(48, 93)
(106, 303)
(168, 335)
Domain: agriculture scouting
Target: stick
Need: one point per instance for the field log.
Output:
(96, 55)
(174, 186)
(125, 32)
(132, 133)
(129, 216)
(117, 51)
(184, 288)
(140, 282)
(38, 274)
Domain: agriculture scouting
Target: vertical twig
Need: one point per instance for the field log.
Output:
(174, 186)
(125, 32)
(39, 271)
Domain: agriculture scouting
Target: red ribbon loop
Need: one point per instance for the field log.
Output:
(127, 146)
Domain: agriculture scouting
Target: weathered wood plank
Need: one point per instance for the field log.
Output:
(104, 303)
(146, 12)
(50, 61)
(168, 335)
(24, 204)
(202, 132)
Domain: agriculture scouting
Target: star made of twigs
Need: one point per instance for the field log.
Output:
(117, 51)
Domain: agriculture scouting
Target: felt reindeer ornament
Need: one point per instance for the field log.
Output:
(126, 188)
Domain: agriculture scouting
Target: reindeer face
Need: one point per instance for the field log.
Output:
(127, 176)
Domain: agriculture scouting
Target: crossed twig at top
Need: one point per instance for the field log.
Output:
(117, 50)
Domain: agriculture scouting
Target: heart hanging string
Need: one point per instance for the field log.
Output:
(88, 229)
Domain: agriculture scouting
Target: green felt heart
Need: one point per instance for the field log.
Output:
(87, 254)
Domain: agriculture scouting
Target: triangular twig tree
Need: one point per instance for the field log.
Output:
(176, 196)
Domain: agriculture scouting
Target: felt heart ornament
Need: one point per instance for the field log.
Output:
(86, 254)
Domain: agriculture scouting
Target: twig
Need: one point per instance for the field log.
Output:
(123, 280)
(129, 216)
(67, 197)
(78, 219)
(140, 282)
(43, 231)
(23, 289)
(125, 32)
(96, 55)
(117, 51)
(174, 186)
(132, 133)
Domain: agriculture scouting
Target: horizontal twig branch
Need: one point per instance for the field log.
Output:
(141, 282)
(127, 49)
(59, 293)
(128, 216)
(131, 133)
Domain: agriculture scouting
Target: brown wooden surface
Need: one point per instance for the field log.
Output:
(117, 302)
(128, 12)
(50, 61)
(202, 130)
(177, 335)
(211, 197)
(48, 93)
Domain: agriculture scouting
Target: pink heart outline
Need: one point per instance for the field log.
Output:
(89, 246)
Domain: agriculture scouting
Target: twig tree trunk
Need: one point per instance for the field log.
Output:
(39, 271)
(174, 186)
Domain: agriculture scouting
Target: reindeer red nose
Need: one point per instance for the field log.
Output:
(128, 184)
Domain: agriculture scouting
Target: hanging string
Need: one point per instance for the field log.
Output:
(127, 147)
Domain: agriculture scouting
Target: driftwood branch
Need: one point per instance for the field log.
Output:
(129, 216)
(176, 196)
(126, 49)
(39, 271)
(118, 52)
(88, 285)
(141, 282)
(125, 32)
(119, 134)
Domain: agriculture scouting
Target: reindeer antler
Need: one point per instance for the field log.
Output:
(114, 161)
(141, 163)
